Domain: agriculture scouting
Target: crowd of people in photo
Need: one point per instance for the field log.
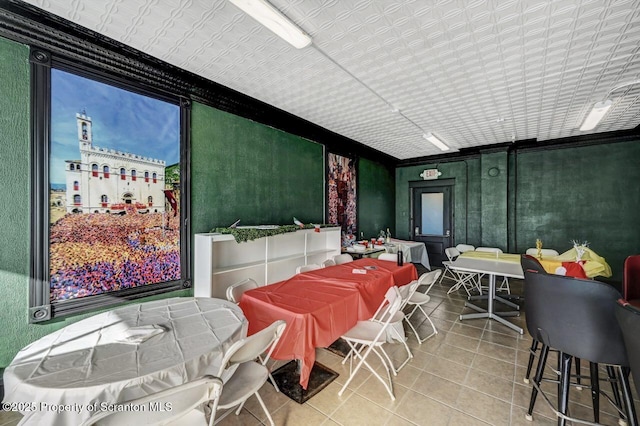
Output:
(91, 254)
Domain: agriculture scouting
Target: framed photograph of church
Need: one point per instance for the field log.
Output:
(341, 192)
(108, 178)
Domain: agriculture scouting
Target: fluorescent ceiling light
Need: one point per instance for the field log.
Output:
(437, 142)
(263, 12)
(596, 114)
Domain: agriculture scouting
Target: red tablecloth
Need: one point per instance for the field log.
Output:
(320, 306)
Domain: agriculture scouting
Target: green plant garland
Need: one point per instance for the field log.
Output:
(249, 234)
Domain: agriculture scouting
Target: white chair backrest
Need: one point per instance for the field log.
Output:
(328, 262)
(307, 268)
(406, 291)
(388, 256)
(489, 250)
(545, 252)
(451, 253)
(465, 247)
(342, 258)
(429, 279)
(235, 291)
(249, 348)
(182, 399)
(388, 308)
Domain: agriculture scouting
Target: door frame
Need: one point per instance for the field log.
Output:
(451, 182)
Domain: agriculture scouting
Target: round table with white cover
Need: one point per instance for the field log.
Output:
(119, 355)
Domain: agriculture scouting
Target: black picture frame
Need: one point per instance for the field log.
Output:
(41, 308)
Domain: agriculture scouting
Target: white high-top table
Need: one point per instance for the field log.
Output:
(62, 378)
(491, 268)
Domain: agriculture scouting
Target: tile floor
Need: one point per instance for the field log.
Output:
(471, 373)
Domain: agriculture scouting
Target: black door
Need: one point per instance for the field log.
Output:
(432, 218)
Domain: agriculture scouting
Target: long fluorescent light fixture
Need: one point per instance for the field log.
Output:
(263, 12)
(599, 110)
(437, 142)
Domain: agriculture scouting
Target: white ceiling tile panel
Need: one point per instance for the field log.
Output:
(451, 67)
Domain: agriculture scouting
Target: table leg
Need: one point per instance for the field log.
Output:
(489, 313)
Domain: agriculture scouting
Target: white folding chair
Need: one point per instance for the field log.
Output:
(184, 400)
(419, 299)
(545, 252)
(235, 291)
(234, 294)
(366, 336)
(328, 262)
(393, 333)
(342, 258)
(465, 247)
(466, 280)
(249, 375)
(504, 285)
(307, 268)
(388, 256)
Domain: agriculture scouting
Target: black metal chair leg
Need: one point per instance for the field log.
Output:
(578, 377)
(611, 372)
(595, 391)
(542, 360)
(532, 351)
(623, 372)
(563, 386)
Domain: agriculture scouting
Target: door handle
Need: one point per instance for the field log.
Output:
(417, 231)
(448, 233)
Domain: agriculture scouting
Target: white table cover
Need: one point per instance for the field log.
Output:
(412, 251)
(65, 374)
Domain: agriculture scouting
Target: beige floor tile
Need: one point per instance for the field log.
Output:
(459, 418)
(295, 414)
(502, 369)
(272, 399)
(484, 407)
(423, 410)
(374, 391)
(518, 418)
(491, 385)
(446, 369)
(456, 354)
(396, 420)
(357, 410)
(435, 387)
(510, 341)
(327, 401)
(245, 418)
(9, 418)
(467, 330)
(497, 351)
(460, 341)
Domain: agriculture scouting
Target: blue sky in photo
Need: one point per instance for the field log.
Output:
(121, 120)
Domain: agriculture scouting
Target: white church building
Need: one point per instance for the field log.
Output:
(110, 181)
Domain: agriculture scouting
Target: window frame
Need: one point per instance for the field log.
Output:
(40, 307)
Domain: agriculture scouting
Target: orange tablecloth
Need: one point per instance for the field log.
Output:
(320, 306)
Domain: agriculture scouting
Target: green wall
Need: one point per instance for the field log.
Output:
(466, 198)
(376, 198)
(493, 183)
(587, 193)
(248, 171)
(508, 200)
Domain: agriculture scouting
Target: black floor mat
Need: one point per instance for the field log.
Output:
(288, 379)
(339, 347)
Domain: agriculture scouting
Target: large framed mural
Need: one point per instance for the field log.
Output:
(341, 191)
(111, 220)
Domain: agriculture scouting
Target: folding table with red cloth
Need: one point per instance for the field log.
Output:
(320, 306)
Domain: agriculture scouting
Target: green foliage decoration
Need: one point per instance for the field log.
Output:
(248, 234)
